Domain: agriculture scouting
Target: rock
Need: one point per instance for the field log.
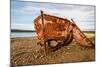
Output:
(53, 43)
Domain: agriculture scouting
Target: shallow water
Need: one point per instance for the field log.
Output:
(22, 34)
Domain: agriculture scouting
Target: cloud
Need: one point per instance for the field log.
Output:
(61, 9)
(82, 15)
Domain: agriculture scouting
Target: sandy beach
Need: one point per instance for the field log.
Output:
(25, 51)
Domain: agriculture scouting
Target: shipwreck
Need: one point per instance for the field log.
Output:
(53, 32)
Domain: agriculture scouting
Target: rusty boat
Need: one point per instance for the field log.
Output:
(54, 32)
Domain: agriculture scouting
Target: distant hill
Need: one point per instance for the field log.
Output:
(17, 30)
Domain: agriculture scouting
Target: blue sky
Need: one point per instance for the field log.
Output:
(24, 13)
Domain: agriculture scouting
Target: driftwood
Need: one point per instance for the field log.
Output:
(55, 32)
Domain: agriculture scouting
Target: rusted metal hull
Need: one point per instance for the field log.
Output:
(59, 31)
(79, 37)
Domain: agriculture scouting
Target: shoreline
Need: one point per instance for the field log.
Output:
(87, 34)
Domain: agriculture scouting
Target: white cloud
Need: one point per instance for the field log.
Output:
(83, 15)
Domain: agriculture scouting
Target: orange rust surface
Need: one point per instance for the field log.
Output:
(54, 27)
(58, 28)
(81, 38)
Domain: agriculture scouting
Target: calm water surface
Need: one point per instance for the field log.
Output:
(23, 34)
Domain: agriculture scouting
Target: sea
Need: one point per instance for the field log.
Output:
(22, 34)
(32, 34)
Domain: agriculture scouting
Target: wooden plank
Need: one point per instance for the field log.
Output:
(45, 46)
(42, 17)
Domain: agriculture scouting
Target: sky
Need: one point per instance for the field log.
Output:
(23, 14)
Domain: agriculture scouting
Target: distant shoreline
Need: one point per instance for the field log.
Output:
(15, 30)
(88, 31)
(85, 32)
(35, 31)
